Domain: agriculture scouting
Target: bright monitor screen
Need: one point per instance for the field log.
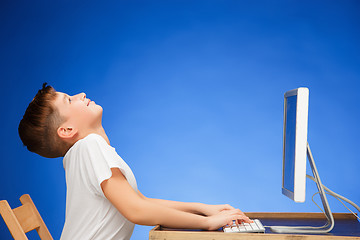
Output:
(295, 143)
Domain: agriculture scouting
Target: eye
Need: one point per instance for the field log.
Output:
(69, 100)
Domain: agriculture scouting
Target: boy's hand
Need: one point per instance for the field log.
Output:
(210, 210)
(226, 217)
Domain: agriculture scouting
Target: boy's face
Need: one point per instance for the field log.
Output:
(79, 112)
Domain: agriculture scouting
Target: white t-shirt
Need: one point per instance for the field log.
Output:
(89, 214)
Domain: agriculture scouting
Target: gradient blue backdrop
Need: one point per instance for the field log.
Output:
(192, 93)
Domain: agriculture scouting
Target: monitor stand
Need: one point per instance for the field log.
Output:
(309, 229)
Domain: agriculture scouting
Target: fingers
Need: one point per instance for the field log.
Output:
(230, 223)
(233, 217)
(237, 217)
(243, 217)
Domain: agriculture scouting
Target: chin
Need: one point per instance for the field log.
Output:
(100, 112)
(98, 108)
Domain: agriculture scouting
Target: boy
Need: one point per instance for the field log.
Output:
(102, 200)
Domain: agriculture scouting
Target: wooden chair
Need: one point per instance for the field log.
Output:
(24, 219)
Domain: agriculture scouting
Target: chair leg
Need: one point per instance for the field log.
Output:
(10, 219)
(43, 231)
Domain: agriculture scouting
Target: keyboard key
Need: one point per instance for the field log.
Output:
(253, 227)
(248, 227)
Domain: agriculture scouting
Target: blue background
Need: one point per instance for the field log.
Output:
(192, 93)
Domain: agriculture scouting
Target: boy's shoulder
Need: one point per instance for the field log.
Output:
(89, 142)
(92, 137)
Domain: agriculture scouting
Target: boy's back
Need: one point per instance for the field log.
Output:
(89, 215)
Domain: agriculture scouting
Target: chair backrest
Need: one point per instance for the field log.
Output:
(24, 219)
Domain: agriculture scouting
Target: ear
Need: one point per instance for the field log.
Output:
(66, 132)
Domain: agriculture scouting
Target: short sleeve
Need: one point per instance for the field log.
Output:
(98, 158)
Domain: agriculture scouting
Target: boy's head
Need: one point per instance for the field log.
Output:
(54, 121)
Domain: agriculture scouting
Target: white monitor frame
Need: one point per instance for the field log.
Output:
(297, 194)
(296, 170)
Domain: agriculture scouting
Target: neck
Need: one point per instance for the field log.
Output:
(100, 131)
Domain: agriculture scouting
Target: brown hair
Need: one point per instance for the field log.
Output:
(38, 127)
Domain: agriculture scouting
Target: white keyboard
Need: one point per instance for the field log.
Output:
(254, 227)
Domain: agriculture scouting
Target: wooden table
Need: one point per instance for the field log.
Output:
(346, 227)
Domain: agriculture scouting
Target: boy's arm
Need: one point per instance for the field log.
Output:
(139, 210)
(192, 207)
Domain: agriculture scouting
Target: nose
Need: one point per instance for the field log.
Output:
(80, 96)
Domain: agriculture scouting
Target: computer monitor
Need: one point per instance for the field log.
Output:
(296, 104)
(295, 152)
